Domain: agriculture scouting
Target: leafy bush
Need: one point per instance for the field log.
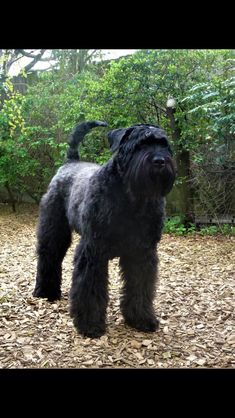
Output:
(176, 226)
(225, 229)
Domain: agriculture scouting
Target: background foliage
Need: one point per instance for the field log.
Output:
(35, 123)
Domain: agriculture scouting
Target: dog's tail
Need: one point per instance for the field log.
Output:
(77, 136)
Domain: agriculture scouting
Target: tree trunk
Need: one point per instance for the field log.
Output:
(183, 192)
(11, 197)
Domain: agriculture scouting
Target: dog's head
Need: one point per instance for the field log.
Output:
(144, 156)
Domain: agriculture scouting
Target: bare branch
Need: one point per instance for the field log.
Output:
(158, 107)
(34, 61)
(11, 62)
(29, 54)
(91, 54)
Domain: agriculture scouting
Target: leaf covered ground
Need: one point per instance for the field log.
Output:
(194, 302)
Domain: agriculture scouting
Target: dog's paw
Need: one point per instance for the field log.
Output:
(51, 296)
(91, 331)
(147, 325)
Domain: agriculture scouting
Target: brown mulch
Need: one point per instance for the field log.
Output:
(194, 302)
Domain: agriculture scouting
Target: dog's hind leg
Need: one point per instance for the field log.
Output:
(89, 291)
(54, 238)
(139, 274)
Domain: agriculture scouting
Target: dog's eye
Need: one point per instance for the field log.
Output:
(163, 142)
(142, 145)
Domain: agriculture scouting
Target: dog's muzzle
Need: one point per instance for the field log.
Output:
(159, 162)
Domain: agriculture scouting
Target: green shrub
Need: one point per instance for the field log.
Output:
(176, 226)
(225, 229)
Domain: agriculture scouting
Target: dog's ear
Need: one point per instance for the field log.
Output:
(116, 136)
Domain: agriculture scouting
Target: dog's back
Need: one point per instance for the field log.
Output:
(71, 180)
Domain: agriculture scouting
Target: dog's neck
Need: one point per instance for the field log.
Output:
(136, 197)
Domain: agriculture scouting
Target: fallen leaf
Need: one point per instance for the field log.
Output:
(231, 339)
(201, 361)
(136, 344)
(192, 357)
(146, 343)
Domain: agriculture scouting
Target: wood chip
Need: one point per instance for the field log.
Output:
(194, 302)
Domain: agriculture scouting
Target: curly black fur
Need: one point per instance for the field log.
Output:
(118, 209)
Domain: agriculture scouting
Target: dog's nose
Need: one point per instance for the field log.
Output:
(159, 161)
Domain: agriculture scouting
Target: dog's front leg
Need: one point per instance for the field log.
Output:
(89, 291)
(139, 274)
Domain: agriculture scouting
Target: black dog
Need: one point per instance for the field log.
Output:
(118, 209)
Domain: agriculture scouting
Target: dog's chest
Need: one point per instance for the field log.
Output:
(129, 228)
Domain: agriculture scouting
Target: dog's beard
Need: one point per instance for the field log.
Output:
(145, 178)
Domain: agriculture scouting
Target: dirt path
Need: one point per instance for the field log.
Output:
(195, 304)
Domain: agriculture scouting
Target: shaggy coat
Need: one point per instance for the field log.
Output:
(118, 210)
